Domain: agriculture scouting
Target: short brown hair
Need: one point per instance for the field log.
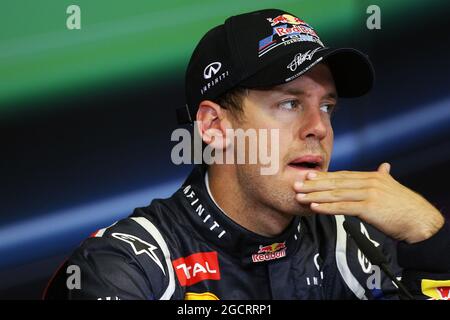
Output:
(233, 100)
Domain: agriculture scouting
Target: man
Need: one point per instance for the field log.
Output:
(231, 232)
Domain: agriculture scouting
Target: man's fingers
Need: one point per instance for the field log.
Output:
(334, 183)
(318, 175)
(385, 167)
(346, 208)
(337, 195)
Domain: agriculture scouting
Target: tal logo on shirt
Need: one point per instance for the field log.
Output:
(197, 267)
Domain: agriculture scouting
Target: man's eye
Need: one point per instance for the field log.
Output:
(289, 104)
(328, 108)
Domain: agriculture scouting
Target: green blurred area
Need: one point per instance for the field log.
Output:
(40, 57)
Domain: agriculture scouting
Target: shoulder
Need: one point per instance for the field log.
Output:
(129, 260)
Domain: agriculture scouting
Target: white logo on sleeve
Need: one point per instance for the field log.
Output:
(140, 247)
(211, 69)
(363, 261)
(315, 280)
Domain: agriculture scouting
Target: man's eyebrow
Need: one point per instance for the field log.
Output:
(331, 95)
(299, 92)
(293, 91)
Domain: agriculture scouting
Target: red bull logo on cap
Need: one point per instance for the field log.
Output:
(285, 18)
(287, 29)
(283, 31)
(273, 251)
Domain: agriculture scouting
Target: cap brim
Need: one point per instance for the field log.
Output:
(352, 71)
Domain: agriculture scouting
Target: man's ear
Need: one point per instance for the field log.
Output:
(212, 124)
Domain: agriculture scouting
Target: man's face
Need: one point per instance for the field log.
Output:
(301, 110)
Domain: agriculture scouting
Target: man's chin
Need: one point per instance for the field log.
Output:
(302, 210)
(306, 213)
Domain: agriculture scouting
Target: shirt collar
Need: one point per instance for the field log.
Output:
(214, 225)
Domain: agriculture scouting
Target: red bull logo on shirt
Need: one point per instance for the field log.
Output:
(273, 251)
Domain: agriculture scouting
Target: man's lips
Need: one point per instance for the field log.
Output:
(307, 162)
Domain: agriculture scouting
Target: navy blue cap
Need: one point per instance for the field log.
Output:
(266, 48)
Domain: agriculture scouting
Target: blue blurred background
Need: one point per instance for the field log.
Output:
(86, 115)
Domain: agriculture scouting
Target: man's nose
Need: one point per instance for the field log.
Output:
(314, 124)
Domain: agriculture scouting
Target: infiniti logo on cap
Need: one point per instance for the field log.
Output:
(211, 69)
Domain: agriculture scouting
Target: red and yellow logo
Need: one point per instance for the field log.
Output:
(274, 247)
(272, 251)
(285, 18)
(436, 289)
